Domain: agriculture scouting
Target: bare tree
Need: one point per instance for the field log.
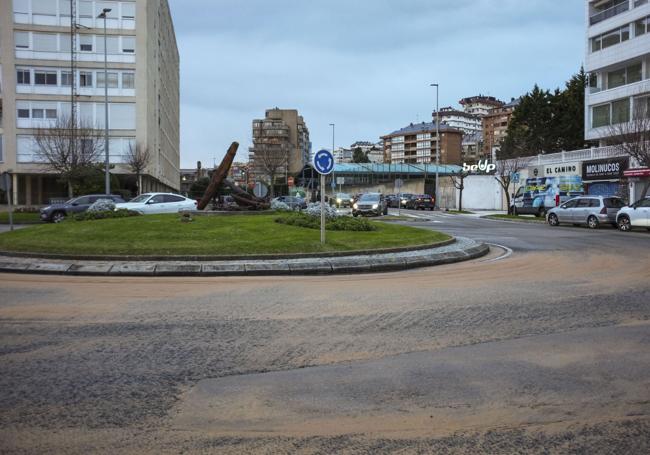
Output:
(633, 138)
(458, 180)
(506, 169)
(271, 160)
(138, 158)
(66, 153)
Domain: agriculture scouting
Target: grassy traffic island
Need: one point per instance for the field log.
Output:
(206, 235)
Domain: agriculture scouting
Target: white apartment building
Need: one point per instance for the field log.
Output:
(36, 83)
(618, 63)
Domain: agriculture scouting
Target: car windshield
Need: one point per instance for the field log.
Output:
(369, 197)
(343, 196)
(141, 198)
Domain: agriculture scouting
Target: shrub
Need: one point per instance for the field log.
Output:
(119, 213)
(313, 209)
(280, 206)
(102, 205)
(340, 223)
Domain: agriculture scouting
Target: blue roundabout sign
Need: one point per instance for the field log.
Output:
(323, 162)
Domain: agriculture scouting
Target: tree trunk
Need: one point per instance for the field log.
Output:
(271, 184)
(70, 192)
(218, 176)
(139, 179)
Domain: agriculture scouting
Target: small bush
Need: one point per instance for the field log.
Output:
(280, 206)
(102, 205)
(120, 213)
(313, 209)
(340, 223)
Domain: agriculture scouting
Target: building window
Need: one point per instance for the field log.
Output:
(23, 113)
(128, 10)
(86, 8)
(610, 38)
(85, 79)
(22, 40)
(128, 44)
(128, 80)
(46, 42)
(641, 107)
(86, 43)
(621, 111)
(66, 79)
(623, 76)
(44, 7)
(38, 113)
(112, 79)
(600, 116)
(45, 77)
(641, 26)
(23, 77)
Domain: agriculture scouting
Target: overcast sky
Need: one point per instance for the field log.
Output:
(365, 65)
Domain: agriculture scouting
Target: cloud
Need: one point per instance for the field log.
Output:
(365, 65)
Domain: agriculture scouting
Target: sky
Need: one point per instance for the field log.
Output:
(364, 65)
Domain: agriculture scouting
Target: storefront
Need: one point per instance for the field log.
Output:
(639, 179)
(606, 177)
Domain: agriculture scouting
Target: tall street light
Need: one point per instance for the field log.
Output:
(102, 15)
(436, 204)
(333, 128)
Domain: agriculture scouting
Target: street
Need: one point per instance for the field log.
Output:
(544, 350)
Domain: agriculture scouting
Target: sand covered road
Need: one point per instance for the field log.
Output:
(98, 363)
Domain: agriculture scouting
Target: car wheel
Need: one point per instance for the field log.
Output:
(57, 217)
(592, 222)
(624, 223)
(553, 220)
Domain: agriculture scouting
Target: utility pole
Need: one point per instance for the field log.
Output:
(436, 203)
(102, 15)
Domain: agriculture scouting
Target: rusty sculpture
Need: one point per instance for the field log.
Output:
(218, 180)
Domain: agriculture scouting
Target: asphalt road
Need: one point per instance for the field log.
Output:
(543, 351)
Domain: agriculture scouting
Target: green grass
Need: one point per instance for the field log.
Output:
(20, 218)
(206, 235)
(524, 218)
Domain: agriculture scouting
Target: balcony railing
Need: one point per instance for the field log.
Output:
(610, 12)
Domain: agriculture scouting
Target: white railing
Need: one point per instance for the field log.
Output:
(593, 153)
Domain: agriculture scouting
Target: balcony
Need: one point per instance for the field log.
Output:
(612, 11)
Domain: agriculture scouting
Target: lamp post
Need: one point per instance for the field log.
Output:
(333, 128)
(102, 15)
(436, 204)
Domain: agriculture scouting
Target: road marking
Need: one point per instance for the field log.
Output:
(507, 254)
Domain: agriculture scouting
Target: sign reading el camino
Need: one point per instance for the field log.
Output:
(609, 168)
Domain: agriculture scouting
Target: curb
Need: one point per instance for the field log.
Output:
(464, 249)
(488, 217)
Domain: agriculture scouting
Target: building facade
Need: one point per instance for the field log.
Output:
(618, 63)
(416, 144)
(480, 105)
(36, 86)
(280, 132)
(495, 126)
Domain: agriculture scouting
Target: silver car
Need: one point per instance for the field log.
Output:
(590, 210)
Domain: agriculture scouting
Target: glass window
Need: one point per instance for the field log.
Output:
(38, 113)
(616, 78)
(23, 113)
(50, 113)
(45, 42)
(157, 199)
(641, 106)
(128, 80)
(634, 73)
(23, 77)
(595, 44)
(128, 44)
(128, 10)
(611, 39)
(64, 8)
(570, 204)
(625, 33)
(65, 78)
(86, 43)
(46, 7)
(172, 198)
(22, 40)
(613, 203)
(582, 203)
(86, 8)
(640, 27)
(21, 6)
(643, 203)
(600, 116)
(112, 79)
(85, 79)
(51, 78)
(594, 202)
(621, 111)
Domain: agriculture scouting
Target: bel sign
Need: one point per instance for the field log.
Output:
(485, 167)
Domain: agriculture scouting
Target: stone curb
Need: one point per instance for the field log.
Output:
(464, 250)
(265, 257)
(532, 221)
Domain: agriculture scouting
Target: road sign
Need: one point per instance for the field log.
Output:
(333, 184)
(515, 177)
(398, 183)
(260, 189)
(290, 181)
(323, 162)
(340, 180)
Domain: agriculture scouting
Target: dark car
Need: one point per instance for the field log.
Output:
(342, 200)
(370, 204)
(421, 202)
(391, 200)
(294, 202)
(57, 212)
(402, 200)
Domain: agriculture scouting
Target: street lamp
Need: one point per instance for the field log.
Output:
(333, 127)
(436, 204)
(102, 15)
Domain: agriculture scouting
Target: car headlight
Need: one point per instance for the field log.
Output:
(374, 206)
(338, 200)
(351, 200)
(355, 206)
(403, 201)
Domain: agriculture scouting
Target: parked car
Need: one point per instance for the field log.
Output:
(370, 204)
(292, 201)
(391, 200)
(404, 198)
(56, 213)
(342, 200)
(589, 210)
(420, 202)
(152, 203)
(634, 215)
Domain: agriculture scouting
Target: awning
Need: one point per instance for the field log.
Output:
(639, 172)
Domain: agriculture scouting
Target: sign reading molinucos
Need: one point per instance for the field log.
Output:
(609, 168)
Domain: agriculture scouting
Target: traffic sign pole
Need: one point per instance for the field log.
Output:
(323, 163)
(322, 208)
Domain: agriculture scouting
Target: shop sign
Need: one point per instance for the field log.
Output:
(553, 170)
(639, 172)
(481, 166)
(609, 168)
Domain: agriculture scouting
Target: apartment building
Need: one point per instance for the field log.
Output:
(280, 131)
(480, 105)
(495, 126)
(416, 144)
(36, 86)
(618, 63)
